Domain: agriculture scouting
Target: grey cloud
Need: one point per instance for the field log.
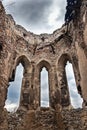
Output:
(14, 91)
(31, 12)
(77, 103)
(44, 86)
(73, 94)
(61, 6)
(15, 87)
(34, 9)
(45, 103)
(45, 98)
(34, 14)
(76, 99)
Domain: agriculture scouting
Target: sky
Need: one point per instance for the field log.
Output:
(14, 90)
(75, 98)
(38, 16)
(44, 88)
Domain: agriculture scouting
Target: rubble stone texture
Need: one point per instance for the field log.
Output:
(35, 52)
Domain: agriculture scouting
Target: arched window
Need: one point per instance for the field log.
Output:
(44, 83)
(14, 90)
(76, 100)
(67, 82)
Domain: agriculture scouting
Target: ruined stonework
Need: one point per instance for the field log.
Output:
(34, 52)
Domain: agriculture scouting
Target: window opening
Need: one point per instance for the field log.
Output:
(76, 100)
(14, 90)
(44, 93)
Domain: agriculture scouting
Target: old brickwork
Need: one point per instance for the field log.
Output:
(35, 52)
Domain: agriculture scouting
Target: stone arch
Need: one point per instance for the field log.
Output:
(76, 70)
(25, 63)
(39, 66)
(44, 63)
(14, 90)
(62, 80)
(26, 88)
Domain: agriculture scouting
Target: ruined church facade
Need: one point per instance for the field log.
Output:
(52, 51)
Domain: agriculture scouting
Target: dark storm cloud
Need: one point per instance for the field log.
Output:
(32, 12)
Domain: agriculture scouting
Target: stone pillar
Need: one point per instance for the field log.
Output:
(63, 86)
(37, 87)
(76, 69)
(54, 89)
(3, 95)
(77, 73)
(27, 92)
(82, 60)
(51, 85)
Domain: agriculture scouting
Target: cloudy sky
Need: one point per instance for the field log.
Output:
(38, 16)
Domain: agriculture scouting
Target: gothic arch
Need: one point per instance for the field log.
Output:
(26, 81)
(44, 63)
(62, 80)
(39, 66)
(25, 63)
(63, 59)
(73, 59)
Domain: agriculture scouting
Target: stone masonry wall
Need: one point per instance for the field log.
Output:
(48, 119)
(34, 52)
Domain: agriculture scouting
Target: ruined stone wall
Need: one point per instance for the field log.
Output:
(79, 40)
(35, 52)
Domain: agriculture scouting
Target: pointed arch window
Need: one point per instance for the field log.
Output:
(14, 90)
(70, 93)
(75, 97)
(44, 83)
